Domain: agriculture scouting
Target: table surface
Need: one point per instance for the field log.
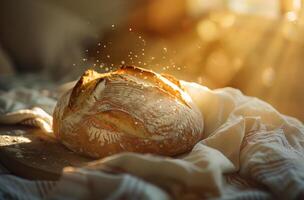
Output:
(28, 153)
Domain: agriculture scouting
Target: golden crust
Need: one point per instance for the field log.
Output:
(131, 109)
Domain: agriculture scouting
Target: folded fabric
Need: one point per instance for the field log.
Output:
(249, 151)
(19, 106)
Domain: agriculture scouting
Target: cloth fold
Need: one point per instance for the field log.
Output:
(251, 151)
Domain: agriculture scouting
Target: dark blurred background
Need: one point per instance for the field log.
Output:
(254, 45)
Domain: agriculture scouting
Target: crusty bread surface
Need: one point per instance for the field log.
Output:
(131, 109)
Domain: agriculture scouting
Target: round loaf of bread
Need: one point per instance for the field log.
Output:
(130, 109)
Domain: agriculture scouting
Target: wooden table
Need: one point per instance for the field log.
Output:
(27, 153)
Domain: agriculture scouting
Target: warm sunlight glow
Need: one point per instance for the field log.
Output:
(8, 140)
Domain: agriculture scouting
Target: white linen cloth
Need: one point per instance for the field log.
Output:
(249, 151)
